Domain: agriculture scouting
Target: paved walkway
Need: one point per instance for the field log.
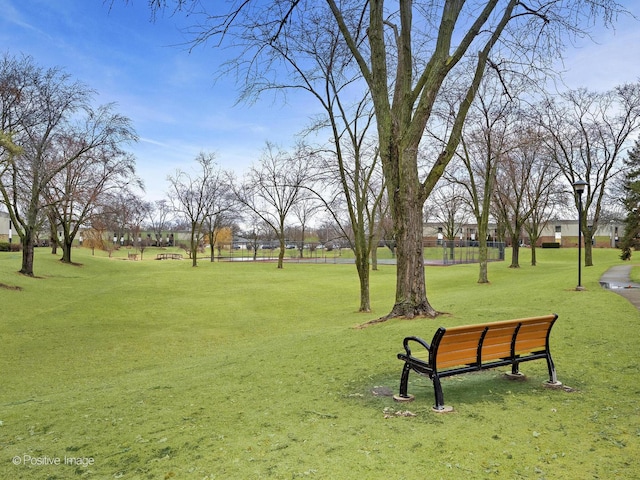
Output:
(617, 280)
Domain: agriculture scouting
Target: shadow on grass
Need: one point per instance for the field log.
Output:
(462, 391)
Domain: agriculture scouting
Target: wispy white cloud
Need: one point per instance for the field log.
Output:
(611, 57)
(153, 142)
(12, 15)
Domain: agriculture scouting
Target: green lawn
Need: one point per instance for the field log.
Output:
(158, 370)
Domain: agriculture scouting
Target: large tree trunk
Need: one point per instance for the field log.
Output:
(588, 251)
(534, 260)
(411, 294)
(515, 252)
(362, 265)
(281, 251)
(406, 198)
(27, 253)
(483, 253)
(301, 246)
(212, 253)
(374, 256)
(194, 246)
(66, 251)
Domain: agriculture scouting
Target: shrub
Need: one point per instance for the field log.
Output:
(9, 247)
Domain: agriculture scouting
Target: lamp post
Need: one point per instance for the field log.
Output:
(579, 187)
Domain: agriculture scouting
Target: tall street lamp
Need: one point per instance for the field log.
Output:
(579, 187)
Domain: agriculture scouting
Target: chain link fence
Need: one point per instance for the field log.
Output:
(437, 252)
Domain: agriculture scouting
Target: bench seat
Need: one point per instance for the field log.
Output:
(470, 348)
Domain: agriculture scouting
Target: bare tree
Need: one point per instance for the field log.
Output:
(51, 119)
(510, 199)
(304, 210)
(221, 210)
(349, 168)
(73, 193)
(356, 202)
(257, 228)
(192, 196)
(127, 211)
(138, 213)
(544, 192)
(100, 232)
(589, 133)
(524, 190)
(483, 144)
(160, 219)
(273, 186)
(449, 206)
(321, 64)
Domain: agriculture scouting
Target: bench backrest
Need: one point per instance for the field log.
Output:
(476, 344)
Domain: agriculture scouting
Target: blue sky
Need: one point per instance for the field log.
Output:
(177, 105)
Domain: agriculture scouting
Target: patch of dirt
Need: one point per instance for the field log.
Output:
(10, 287)
(382, 392)
(391, 413)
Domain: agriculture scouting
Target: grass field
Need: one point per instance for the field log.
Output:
(156, 370)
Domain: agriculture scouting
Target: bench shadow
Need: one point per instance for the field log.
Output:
(489, 386)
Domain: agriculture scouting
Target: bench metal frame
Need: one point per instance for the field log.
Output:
(472, 348)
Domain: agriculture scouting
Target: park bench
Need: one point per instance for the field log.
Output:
(169, 256)
(132, 256)
(472, 348)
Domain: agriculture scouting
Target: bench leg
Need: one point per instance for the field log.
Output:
(515, 373)
(403, 396)
(439, 407)
(553, 378)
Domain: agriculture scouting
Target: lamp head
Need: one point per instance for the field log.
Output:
(579, 186)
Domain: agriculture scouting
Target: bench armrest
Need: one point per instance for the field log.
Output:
(417, 340)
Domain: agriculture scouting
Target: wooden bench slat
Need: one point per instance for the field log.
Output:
(501, 339)
(455, 338)
(468, 331)
(540, 330)
(533, 334)
(454, 347)
(492, 352)
(528, 347)
(454, 360)
(529, 330)
(529, 338)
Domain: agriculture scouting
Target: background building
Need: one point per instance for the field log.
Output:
(6, 232)
(564, 232)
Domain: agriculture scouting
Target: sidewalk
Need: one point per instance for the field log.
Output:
(617, 280)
